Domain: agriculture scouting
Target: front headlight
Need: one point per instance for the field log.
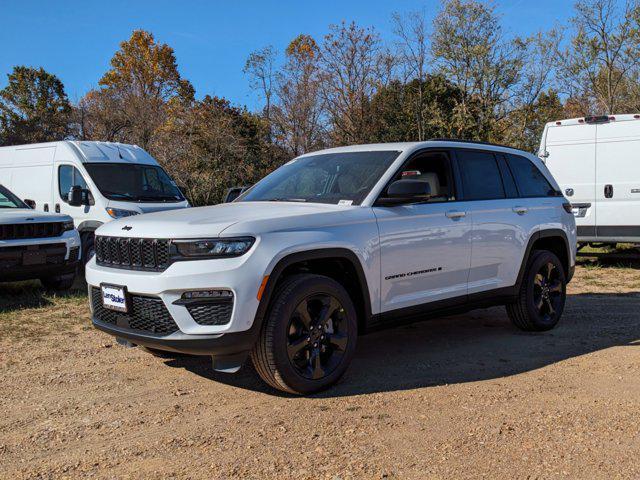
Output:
(119, 213)
(66, 226)
(213, 247)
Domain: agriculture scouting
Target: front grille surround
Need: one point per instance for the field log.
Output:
(133, 253)
(20, 231)
(146, 314)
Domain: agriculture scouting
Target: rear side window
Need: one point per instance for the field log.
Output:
(531, 182)
(481, 178)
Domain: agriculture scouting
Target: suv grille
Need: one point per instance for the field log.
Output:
(147, 314)
(132, 253)
(211, 313)
(30, 230)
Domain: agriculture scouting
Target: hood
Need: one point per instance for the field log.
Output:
(26, 215)
(143, 207)
(214, 220)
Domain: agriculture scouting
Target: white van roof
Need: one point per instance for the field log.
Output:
(594, 119)
(94, 152)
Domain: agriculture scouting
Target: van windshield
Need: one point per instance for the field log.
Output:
(345, 178)
(129, 182)
(9, 200)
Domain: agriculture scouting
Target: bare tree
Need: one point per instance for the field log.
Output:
(298, 115)
(413, 58)
(260, 69)
(604, 54)
(353, 64)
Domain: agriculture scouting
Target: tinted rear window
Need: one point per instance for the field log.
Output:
(480, 175)
(531, 182)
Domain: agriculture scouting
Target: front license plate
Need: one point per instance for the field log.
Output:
(114, 298)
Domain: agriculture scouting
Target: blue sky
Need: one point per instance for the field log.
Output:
(76, 39)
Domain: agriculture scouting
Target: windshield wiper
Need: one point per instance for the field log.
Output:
(119, 194)
(284, 199)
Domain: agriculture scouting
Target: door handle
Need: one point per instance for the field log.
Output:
(57, 208)
(608, 191)
(520, 210)
(455, 214)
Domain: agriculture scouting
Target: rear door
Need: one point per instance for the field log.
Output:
(571, 158)
(618, 180)
(497, 227)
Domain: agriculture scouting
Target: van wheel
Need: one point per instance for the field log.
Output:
(60, 282)
(88, 248)
(308, 337)
(542, 294)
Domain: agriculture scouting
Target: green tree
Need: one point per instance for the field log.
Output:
(33, 107)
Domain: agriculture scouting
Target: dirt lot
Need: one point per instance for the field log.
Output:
(459, 397)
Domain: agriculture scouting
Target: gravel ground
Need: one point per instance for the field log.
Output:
(459, 397)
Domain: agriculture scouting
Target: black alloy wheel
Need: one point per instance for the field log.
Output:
(548, 292)
(317, 336)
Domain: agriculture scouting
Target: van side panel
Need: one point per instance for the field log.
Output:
(618, 172)
(30, 174)
(571, 158)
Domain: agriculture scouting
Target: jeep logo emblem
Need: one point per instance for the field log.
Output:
(127, 228)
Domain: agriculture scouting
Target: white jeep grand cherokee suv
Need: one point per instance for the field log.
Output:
(334, 244)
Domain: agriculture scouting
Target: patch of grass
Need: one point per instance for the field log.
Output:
(28, 311)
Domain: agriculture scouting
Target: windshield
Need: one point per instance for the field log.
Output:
(345, 178)
(133, 182)
(9, 200)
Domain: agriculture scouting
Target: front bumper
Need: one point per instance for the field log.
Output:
(230, 347)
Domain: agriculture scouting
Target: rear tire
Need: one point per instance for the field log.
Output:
(308, 337)
(61, 282)
(542, 294)
(88, 248)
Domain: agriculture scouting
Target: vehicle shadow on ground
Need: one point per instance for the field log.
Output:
(31, 294)
(476, 346)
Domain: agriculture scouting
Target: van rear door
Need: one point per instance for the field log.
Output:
(570, 152)
(618, 180)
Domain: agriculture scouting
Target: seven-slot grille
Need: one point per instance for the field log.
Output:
(132, 253)
(17, 231)
(146, 313)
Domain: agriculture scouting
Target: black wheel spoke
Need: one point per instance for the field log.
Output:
(317, 371)
(556, 286)
(550, 307)
(339, 341)
(539, 304)
(550, 268)
(296, 346)
(302, 312)
(329, 306)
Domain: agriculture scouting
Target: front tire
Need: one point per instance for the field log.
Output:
(542, 294)
(308, 337)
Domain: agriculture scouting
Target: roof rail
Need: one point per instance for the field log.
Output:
(459, 140)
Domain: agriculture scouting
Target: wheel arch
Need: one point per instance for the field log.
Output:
(341, 264)
(554, 240)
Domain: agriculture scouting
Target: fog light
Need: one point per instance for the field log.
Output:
(206, 294)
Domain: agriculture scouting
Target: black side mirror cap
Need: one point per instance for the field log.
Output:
(75, 197)
(233, 193)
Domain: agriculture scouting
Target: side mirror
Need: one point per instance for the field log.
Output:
(405, 191)
(234, 193)
(75, 197)
(30, 203)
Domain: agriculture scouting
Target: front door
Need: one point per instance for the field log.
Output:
(424, 247)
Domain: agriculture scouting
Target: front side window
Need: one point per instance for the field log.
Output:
(481, 178)
(531, 182)
(69, 176)
(134, 182)
(9, 200)
(433, 168)
(324, 178)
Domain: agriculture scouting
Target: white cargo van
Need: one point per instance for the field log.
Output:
(596, 161)
(93, 182)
